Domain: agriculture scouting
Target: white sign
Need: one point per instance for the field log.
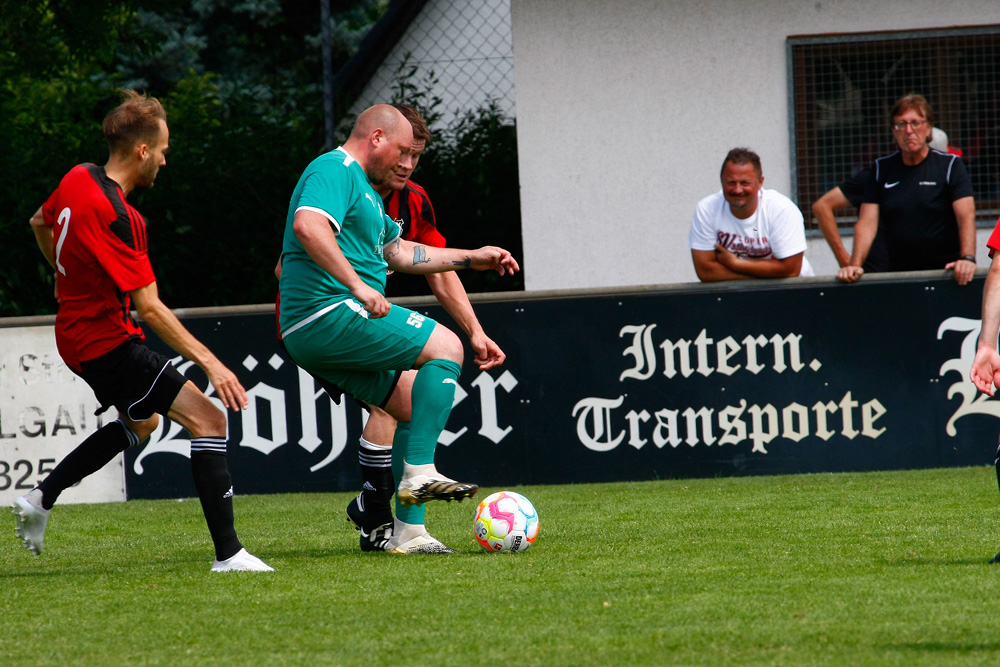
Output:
(45, 412)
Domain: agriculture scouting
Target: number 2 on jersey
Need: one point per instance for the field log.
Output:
(64, 216)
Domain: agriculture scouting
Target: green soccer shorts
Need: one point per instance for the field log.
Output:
(359, 354)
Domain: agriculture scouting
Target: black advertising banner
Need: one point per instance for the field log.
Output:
(768, 378)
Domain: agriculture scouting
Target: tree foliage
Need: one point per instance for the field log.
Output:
(241, 82)
(469, 170)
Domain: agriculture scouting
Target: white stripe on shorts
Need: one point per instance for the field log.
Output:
(350, 303)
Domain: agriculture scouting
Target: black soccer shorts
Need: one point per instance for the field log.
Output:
(134, 379)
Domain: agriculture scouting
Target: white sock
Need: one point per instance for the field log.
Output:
(404, 532)
(428, 469)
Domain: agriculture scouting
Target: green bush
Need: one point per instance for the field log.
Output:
(240, 82)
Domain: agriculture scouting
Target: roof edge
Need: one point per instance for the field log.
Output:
(352, 77)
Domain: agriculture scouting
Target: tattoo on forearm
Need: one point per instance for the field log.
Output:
(464, 263)
(420, 255)
(392, 249)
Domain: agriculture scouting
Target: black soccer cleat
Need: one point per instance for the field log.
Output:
(375, 534)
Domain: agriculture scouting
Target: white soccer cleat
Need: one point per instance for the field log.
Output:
(243, 561)
(31, 521)
(421, 544)
(423, 483)
(414, 539)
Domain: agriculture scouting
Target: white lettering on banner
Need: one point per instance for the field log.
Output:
(973, 402)
(740, 422)
(309, 394)
(599, 429)
(487, 387)
(269, 401)
(274, 399)
(677, 355)
(593, 426)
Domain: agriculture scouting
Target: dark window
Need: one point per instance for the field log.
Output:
(843, 88)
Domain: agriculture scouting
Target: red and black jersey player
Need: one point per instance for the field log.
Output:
(96, 242)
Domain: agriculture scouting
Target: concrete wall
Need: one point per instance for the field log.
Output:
(625, 111)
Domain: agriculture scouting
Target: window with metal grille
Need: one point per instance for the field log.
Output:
(843, 87)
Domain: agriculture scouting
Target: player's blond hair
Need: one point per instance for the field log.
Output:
(135, 121)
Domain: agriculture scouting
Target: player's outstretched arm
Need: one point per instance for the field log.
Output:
(985, 371)
(450, 292)
(170, 330)
(410, 257)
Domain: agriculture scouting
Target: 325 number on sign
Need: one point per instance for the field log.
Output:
(18, 473)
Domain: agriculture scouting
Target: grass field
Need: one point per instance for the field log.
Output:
(847, 569)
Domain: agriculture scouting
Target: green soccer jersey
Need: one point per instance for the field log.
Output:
(335, 186)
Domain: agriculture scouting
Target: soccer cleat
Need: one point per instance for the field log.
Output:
(995, 560)
(31, 521)
(413, 538)
(418, 489)
(376, 539)
(374, 536)
(243, 561)
(420, 544)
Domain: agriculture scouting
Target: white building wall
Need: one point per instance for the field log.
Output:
(625, 111)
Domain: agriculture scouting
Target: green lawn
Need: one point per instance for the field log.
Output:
(847, 569)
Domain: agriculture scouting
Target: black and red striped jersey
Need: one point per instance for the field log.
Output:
(411, 208)
(101, 255)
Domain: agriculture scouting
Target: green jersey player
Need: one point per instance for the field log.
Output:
(337, 324)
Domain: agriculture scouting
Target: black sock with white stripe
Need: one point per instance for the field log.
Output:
(210, 470)
(376, 471)
(89, 456)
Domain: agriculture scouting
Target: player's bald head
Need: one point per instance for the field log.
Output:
(381, 140)
(383, 117)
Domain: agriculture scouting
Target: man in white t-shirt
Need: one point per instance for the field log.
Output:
(744, 231)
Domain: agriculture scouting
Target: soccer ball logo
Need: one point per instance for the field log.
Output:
(507, 522)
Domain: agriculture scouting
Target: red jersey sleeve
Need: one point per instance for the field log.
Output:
(994, 242)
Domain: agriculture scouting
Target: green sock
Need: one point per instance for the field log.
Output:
(432, 396)
(413, 514)
(415, 442)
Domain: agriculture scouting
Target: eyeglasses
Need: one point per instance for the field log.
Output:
(913, 124)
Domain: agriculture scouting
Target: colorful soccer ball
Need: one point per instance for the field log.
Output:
(507, 522)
